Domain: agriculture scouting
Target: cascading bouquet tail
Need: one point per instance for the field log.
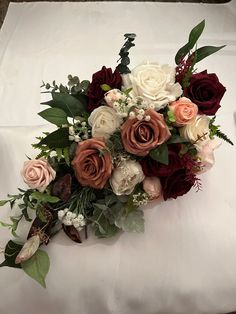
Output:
(122, 140)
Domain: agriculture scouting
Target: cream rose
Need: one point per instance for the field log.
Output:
(37, 174)
(206, 153)
(104, 122)
(152, 186)
(198, 129)
(154, 82)
(125, 177)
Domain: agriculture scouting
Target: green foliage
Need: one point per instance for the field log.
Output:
(114, 143)
(37, 267)
(160, 154)
(54, 115)
(170, 117)
(215, 131)
(175, 138)
(193, 37)
(133, 222)
(44, 197)
(3, 202)
(11, 251)
(206, 51)
(105, 87)
(56, 139)
(124, 54)
(68, 103)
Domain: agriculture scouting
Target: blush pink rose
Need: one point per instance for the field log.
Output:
(37, 174)
(184, 110)
(141, 136)
(206, 154)
(152, 186)
(92, 163)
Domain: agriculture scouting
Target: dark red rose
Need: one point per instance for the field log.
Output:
(95, 92)
(206, 92)
(179, 183)
(153, 168)
(62, 187)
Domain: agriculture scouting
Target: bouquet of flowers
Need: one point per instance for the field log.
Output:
(122, 140)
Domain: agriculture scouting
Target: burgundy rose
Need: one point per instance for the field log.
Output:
(206, 92)
(179, 183)
(95, 92)
(153, 168)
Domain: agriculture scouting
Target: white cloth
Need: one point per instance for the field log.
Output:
(185, 261)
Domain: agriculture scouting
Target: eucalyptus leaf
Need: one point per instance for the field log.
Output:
(57, 139)
(54, 115)
(133, 222)
(193, 37)
(206, 51)
(160, 154)
(44, 197)
(37, 267)
(11, 251)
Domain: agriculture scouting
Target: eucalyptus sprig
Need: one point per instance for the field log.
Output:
(124, 54)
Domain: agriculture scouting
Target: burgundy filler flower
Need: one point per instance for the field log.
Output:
(206, 92)
(95, 92)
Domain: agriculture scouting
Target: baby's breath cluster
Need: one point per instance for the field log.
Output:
(79, 131)
(71, 219)
(140, 198)
(139, 114)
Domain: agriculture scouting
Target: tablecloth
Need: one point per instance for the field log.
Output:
(185, 261)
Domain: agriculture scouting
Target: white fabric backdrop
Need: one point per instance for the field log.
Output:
(185, 261)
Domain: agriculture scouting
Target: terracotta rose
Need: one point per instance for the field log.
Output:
(140, 136)
(92, 163)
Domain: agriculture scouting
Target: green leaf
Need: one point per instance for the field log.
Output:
(44, 198)
(160, 154)
(68, 103)
(54, 115)
(171, 116)
(105, 87)
(57, 139)
(11, 251)
(66, 156)
(193, 37)
(133, 222)
(37, 267)
(206, 51)
(177, 139)
(3, 202)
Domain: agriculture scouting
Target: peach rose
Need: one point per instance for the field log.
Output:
(92, 163)
(37, 174)
(184, 110)
(152, 186)
(140, 136)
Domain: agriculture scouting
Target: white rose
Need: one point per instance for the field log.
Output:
(126, 176)
(197, 130)
(104, 121)
(154, 82)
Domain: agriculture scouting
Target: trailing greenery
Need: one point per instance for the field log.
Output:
(215, 131)
(124, 54)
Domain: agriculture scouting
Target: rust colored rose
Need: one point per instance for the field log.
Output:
(92, 163)
(140, 136)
